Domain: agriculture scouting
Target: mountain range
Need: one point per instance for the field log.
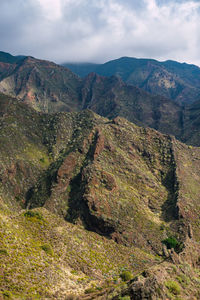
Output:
(50, 88)
(173, 80)
(95, 204)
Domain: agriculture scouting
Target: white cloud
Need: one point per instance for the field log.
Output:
(51, 9)
(99, 30)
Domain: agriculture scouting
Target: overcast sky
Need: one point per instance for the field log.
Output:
(101, 30)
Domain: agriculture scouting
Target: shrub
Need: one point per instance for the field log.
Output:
(173, 287)
(126, 275)
(183, 279)
(7, 295)
(172, 243)
(90, 290)
(3, 251)
(47, 248)
(33, 214)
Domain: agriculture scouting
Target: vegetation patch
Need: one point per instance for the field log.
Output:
(126, 275)
(172, 243)
(48, 249)
(173, 287)
(33, 214)
(3, 251)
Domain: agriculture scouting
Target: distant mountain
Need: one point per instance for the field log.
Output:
(87, 199)
(177, 81)
(8, 58)
(111, 97)
(50, 88)
(41, 84)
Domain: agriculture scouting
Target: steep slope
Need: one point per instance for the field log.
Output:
(111, 97)
(177, 81)
(191, 124)
(41, 84)
(134, 186)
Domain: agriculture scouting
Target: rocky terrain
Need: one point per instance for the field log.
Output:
(95, 208)
(177, 81)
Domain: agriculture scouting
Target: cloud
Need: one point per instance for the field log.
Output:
(91, 30)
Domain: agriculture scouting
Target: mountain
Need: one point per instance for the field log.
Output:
(8, 58)
(177, 81)
(50, 88)
(43, 85)
(111, 97)
(88, 203)
(8, 63)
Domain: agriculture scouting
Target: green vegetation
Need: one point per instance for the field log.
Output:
(172, 243)
(3, 251)
(173, 287)
(126, 275)
(47, 248)
(33, 214)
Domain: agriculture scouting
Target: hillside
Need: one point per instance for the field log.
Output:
(43, 85)
(84, 198)
(177, 81)
(111, 97)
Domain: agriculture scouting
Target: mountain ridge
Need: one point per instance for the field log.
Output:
(177, 81)
(50, 88)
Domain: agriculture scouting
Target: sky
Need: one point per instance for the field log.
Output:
(101, 30)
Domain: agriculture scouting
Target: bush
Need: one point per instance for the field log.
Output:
(47, 248)
(173, 287)
(7, 295)
(3, 251)
(172, 243)
(126, 275)
(90, 290)
(33, 214)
